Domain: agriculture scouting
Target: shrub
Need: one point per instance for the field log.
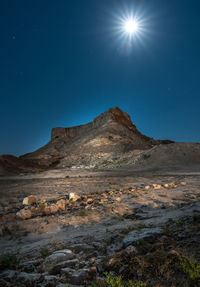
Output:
(8, 260)
(44, 252)
(191, 267)
(117, 281)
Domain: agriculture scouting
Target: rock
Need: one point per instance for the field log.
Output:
(93, 254)
(166, 185)
(67, 271)
(61, 204)
(53, 208)
(3, 283)
(183, 183)
(89, 201)
(26, 264)
(157, 186)
(147, 187)
(118, 199)
(57, 257)
(27, 267)
(130, 249)
(172, 185)
(73, 196)
(29, 200)
(47, 210)
(57, 268)
(78, 277)
(8, 275)
(140, 234)
(50, 281)
(29, 279)
(24, 214)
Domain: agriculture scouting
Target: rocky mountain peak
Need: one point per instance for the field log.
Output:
(116, 115)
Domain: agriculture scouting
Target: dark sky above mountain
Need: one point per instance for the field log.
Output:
(64, 62)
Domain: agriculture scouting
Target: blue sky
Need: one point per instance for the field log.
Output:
(64, 62)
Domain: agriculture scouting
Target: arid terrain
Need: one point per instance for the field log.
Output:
(138, 226)
(101, 205)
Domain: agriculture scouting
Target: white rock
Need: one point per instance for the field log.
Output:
(29, 200)
(73, 196)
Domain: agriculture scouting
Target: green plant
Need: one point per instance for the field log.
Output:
(44, 252)
(180, 222)
(8, 260)
(117, 281)
(167, 231)
(191, 267)
(41, 204)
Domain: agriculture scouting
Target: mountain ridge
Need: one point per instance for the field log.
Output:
(110, 141)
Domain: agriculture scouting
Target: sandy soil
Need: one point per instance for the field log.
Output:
(120, 201)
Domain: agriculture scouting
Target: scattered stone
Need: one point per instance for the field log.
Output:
(78, 277)
(89, 201)
(3, 283)
(130, 249)
(57, 268)
(53, 208)
(157, 186)
(50, 281)
(29, 279)
(24, 214)
(140, 234)
(73, 196)
(61, 204)
(8, 275)
(166, 185)
(29, 200)
(147, 187)
(57, 257)
(118, 199)
(172, 185)
(183, 183)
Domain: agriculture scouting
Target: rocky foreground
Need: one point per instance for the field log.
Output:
(69, 231)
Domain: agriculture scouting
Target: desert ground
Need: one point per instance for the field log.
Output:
(144, 227)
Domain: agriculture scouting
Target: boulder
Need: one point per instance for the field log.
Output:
(57, 268)
(157, 186)
(61, 204)
(54, 208)
(24, 214)
(136, 235)
(29, 279)
(29, 200)
(57, 257)
(8, 275)
(73, 196)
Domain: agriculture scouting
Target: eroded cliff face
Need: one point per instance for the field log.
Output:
(110, 141)
(113, 115)
(108, 136)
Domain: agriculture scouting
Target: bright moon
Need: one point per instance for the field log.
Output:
(131, 26)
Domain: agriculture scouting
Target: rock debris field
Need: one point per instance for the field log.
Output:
(69, 230)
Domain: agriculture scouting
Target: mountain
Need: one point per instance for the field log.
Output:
(110, 141)
(106, 138)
